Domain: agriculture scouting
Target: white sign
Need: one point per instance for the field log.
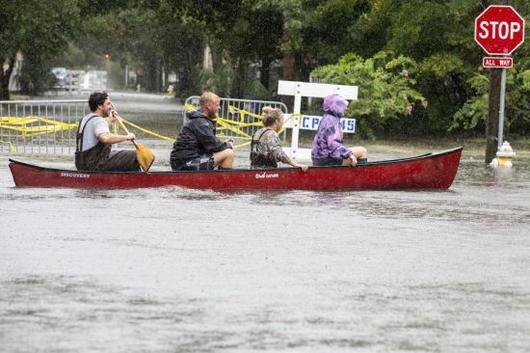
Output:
(311, 122)
(497, 62)
(316, 90)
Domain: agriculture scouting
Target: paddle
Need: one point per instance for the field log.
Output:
(143, 154)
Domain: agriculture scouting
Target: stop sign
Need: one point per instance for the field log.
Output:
(499, 30)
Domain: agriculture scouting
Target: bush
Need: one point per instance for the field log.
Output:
(386, 89)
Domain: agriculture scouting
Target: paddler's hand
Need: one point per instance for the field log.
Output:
(352, 160)
(130, 136)
(113, 115)
(301, 166)
(230, 143)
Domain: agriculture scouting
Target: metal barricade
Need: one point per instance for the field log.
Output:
(48, 127)
(241, 115)
(40, 126)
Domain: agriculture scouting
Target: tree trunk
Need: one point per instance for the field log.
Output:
(4, 88)
(288, 67)
(183, 84)
(265, 72)
(4, 79)
(303, 66)
(241, 79)
(151, 76)
(217, 56)
(492, 125)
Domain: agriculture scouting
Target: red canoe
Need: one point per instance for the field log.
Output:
(428, 171)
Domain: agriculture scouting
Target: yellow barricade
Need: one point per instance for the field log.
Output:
(25, 125)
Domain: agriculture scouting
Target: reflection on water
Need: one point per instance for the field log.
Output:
(177, 270)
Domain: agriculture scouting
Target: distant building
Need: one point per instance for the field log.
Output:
(94, 80)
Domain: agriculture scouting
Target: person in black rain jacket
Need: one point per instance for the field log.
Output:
(197, 147)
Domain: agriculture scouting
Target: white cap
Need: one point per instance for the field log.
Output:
(505, 150)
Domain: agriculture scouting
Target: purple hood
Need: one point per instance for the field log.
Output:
(335, 105)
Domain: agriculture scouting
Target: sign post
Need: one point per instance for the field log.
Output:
(499, 30)
(305, 89)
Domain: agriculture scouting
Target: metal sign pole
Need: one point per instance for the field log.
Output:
(501, 109)
(296, 122)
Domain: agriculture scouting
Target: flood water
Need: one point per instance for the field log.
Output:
(176, 270)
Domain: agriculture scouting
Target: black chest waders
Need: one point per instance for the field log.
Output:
(94, 158)
(259, 160)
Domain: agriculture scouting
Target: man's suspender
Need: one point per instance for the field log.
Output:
(80, 133)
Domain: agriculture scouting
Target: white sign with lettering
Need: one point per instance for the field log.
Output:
(311, 122)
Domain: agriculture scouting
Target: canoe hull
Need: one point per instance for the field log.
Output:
(430, 171)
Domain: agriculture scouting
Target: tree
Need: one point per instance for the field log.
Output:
(182, 43)
(40, 30)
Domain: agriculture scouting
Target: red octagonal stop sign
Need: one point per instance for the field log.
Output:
(499, 30)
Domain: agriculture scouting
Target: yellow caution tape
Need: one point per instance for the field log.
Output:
(149, 132)
(23, 125)
(189, 107)
(243, 113)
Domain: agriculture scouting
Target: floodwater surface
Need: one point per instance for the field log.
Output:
(176, 270)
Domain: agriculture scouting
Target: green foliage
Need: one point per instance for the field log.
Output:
(473, 114)
(258, 91)
(423, 33)
(442, 79)
(370, 32)
(72, 57)
(525, 79)
(386, 87)
(475, 110)
(40, 30)
(328, 31)
(517, 102)
(440, 65)
(220, 81)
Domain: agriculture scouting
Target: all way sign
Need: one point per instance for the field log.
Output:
(497, 62)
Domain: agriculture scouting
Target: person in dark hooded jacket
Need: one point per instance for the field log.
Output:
(197, 147)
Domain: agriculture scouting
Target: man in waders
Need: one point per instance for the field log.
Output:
(197, 147)
(94, 140)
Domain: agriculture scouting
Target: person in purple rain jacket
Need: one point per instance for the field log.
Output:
(327, 144)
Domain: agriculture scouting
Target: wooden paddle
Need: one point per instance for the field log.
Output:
(143, 154)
